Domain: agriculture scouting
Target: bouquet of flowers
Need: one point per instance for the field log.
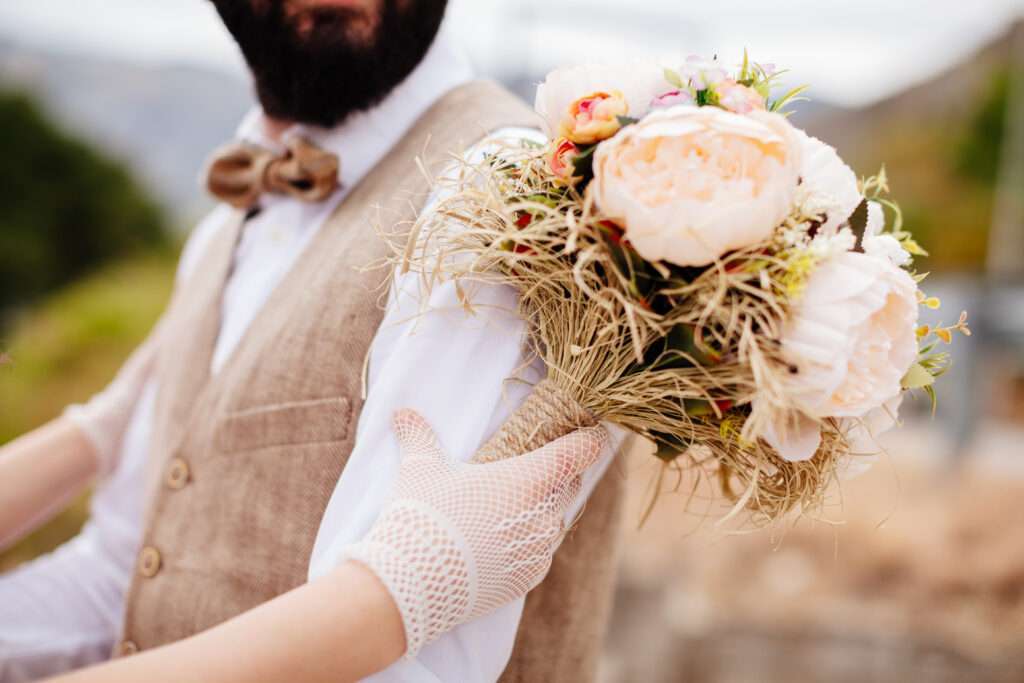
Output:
(695, 269)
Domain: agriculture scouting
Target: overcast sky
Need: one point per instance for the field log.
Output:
(851, 52)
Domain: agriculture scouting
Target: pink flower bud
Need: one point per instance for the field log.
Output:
(672, 98)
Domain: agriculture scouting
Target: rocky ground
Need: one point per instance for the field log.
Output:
(917, 576)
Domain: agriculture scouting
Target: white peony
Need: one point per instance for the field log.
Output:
(689, 184)
(882, 245)
(862, 436)
(827, 185)
(850, 339)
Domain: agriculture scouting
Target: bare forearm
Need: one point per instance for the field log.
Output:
(39, 473)
(342, 627)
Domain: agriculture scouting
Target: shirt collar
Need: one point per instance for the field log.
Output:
(363, 139)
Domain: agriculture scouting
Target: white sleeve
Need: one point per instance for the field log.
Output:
(458, 371)
(48, 623)
(63, 610)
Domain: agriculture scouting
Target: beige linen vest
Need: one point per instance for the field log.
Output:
(243, 463)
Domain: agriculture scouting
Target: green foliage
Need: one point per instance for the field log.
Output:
(71, 345)
(64, 208)
(674, 79)
(876, 188)
(978, 152)
(917, 377)
(583, 164)
(751, 75)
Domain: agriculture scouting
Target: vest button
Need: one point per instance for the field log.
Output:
(177, 474)
(149, 562)
(126, 648)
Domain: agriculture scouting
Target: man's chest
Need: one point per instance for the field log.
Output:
(268, 248)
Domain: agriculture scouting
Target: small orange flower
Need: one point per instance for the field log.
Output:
(560, 161)
(594, 118)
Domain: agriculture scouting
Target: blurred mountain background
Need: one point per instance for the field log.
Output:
(925, 578)
(159, 121)
(940, 141)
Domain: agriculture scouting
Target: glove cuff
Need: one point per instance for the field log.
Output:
(426, 567)
(104, 447)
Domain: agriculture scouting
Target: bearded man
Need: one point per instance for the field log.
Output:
(245, 450)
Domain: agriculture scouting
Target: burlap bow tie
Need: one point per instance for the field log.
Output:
(239, 173)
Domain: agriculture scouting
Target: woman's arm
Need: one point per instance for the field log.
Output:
(342, 627)
(39, 473)
(454, 542)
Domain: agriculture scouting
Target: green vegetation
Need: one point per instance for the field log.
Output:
(977, 155)
(64, 208)
(82, 241)
(942, 158)
(72, 344)
(70, 347)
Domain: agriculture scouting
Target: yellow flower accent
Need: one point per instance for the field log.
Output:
(730, 428)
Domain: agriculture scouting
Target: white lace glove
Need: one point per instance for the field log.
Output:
(104, 417)
(458, 540)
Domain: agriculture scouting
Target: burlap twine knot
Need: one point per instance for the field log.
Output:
(548, 413)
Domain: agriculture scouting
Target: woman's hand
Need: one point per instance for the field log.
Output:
(458, 540)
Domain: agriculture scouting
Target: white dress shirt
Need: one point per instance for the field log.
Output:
(64, 610)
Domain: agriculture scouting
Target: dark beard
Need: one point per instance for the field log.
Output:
(322, 77)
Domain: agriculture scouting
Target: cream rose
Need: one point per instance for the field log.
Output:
(690, 184)
(639, 82)
(561, 160)
(850, 340)
(594, 117)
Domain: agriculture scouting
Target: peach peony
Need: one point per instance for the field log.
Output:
(690, 184)
(850, 340)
